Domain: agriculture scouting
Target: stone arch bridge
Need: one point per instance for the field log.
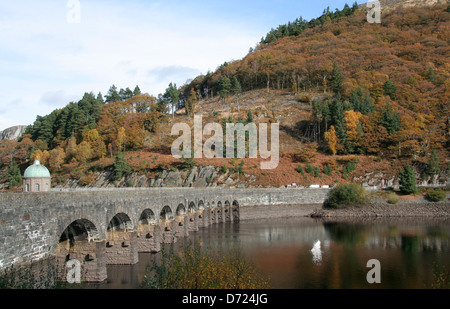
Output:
(111, 226)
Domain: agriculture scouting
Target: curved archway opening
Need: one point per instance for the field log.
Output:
(181, 210)
(120, 222)
(192, 207)
(166, 213)
(80, 230)
(147, 217)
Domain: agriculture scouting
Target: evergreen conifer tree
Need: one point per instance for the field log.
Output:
(391, 119)
(121, 166)
(433, 164)
(408, 184)
(390, 89)
(14, 176)
(336, 79)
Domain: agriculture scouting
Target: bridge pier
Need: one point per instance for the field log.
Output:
(181, 226)
(149, 238)
(90, 254)
(213, 216)
(203, 218)
(193, 222)
(227, 213)
(235, 212)
(168, 235)
(220, 214)
(121, 248)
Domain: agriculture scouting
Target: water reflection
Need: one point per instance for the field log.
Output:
(304, 253)
(317, 253)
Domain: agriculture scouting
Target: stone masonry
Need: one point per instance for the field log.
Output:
(112, 226)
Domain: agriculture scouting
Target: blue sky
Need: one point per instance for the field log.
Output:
(47, 61)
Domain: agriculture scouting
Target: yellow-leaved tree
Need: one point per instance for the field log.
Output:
(332, 140)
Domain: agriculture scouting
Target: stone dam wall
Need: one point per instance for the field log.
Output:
(31, 225)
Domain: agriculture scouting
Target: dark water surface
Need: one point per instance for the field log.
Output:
(409, 251)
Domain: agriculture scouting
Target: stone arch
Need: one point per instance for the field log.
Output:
(147, 217)
(121, 222)
(166, 213)
(91, 221)
(192, 207)
(80, 230)
(181, 210)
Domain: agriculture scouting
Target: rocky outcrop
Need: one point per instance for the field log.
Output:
(13, 133)
(196, 177)
(381, 180)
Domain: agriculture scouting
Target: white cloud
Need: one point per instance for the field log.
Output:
(46, 62)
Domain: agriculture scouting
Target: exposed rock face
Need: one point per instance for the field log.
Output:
(394, 4)
(13, 133)
(197, 177)
(210, 176)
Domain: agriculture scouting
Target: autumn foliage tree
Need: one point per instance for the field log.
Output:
(83, 152)
(56, 159)
(332, 140)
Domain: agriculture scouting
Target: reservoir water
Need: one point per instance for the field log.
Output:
(305, 253)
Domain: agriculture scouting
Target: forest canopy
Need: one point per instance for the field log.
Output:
(373, 89)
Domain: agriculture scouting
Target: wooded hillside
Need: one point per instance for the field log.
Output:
(380, 90)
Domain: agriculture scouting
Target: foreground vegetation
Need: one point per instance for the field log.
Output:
(40, 275)
(194, 268)
(347, 195)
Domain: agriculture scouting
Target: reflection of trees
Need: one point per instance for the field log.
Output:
(433, 238)
(346, 233)
(411, 243)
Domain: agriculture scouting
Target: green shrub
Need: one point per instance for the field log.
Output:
(309, 169)
(327, 170)
(317, 172)
(349, 168)
(392, 201)
(300, 170)
(347, 195)
(436, 195)
(187, 163)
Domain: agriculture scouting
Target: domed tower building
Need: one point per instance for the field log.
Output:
(36, 178)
